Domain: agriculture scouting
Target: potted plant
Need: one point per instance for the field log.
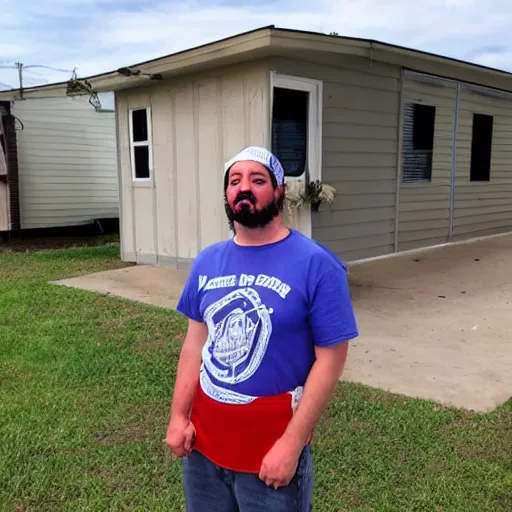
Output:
(314, 192)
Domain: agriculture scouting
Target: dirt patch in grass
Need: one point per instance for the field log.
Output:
(137, 423)
(132, 433)
(56, 239)
(142, 348)
(147, 349)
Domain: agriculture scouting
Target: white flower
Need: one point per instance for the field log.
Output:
(327, 194)
(297, 195)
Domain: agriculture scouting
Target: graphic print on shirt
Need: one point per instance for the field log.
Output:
(239, 325)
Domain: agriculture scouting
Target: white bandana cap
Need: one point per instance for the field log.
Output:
(262, 156)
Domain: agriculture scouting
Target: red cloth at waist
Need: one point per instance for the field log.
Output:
(237, 437)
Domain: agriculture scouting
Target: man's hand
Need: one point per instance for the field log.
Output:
(180, 436)
(280, 463)
(181, 432)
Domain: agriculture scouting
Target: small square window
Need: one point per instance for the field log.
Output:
(140, 125)
(141, 162)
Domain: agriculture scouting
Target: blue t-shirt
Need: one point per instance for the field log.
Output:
(265, 308)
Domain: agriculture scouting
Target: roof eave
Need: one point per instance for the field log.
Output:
(437, 65)
(407, 58)
(243, 47)
(271, 41)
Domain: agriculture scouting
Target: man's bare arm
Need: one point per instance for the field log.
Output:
(187, 374)
(180, 432)
(318, 390)
(280, 463)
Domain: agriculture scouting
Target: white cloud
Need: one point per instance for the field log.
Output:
(8, 50)
(495, 60)
(101, 35)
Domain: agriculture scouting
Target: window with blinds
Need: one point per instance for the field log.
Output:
(290, 129)
(418, 142)
(481, 147)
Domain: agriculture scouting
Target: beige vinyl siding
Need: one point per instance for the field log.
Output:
(424, 209)
(483, 208)
(67, 162)
(198, 123)
(359, 148)
(5, 223)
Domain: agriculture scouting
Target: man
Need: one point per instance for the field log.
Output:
(269, 320)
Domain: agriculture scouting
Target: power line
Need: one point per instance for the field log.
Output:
(48, 67)
(8, 65)
(33, 81)
(35, 73)
(21, 67)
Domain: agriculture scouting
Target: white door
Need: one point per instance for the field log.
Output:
(296, 136)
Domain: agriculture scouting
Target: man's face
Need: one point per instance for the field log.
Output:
(251, 199)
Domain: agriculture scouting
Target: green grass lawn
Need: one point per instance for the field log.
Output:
(85, 386)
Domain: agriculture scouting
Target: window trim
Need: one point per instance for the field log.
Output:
(146, 143)
(314, 144)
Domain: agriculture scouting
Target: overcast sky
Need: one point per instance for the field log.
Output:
(96, 36)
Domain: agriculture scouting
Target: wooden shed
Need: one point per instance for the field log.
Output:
(418, 146)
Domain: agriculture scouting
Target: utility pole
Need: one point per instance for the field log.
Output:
(19, 65)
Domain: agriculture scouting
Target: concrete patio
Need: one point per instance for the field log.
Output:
(434, 324)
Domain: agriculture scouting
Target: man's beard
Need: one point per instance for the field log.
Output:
(252, 219)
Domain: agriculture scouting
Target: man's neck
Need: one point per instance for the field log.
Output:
(272, 232)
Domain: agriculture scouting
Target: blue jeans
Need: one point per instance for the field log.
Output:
(210, 488)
